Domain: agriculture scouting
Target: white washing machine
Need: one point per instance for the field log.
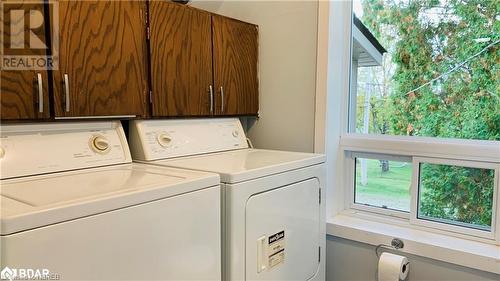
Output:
(273, 214)
(74, 207)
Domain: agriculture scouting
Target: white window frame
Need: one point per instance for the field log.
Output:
(474, 153)
(332, 137)
(493, 234)
(468, 153)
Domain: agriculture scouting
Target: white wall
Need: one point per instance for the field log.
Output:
(287, 68)
(348, 260)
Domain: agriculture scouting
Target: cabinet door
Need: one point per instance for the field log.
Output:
(24, 92)
(235, 55)
(102, 59)
(181, 60)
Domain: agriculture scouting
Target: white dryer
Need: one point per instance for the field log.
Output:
(74, 207)
(273, 214)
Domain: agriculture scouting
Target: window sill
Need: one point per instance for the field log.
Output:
(446, 248)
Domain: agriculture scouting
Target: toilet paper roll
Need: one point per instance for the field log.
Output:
(392, 267)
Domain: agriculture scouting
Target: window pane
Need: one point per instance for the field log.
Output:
(426, 68)
(456, 195)
(383, 183)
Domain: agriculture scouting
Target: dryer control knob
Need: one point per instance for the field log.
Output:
(99, 144)
(164, 139)
(2, 152)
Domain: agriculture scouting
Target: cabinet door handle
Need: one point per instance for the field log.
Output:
(40, 92)
(211, 93)
(66, 92)
(222, 99)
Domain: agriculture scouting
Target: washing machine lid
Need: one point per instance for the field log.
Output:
(36, 201)
(245, 164)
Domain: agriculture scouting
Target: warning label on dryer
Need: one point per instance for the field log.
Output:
(276, 249)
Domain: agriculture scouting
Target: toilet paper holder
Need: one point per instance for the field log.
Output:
(396, 244)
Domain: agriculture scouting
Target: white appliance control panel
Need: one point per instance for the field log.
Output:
(163, 139)
(32, 149)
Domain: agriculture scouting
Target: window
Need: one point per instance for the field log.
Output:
(423, 136)
(424, 68)
(460, 194)
(467, 199)
(383, 183)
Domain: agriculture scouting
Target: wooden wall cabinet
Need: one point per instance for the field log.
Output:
(102, 59)
(23, 93)
(235, 56)
(202, 64)
(181, 60)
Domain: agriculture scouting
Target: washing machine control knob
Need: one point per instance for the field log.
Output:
(164, 139)
(99, 144)
(2, 152)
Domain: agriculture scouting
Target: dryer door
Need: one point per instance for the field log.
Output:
(282, 233)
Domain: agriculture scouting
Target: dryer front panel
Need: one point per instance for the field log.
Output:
(283, 232)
